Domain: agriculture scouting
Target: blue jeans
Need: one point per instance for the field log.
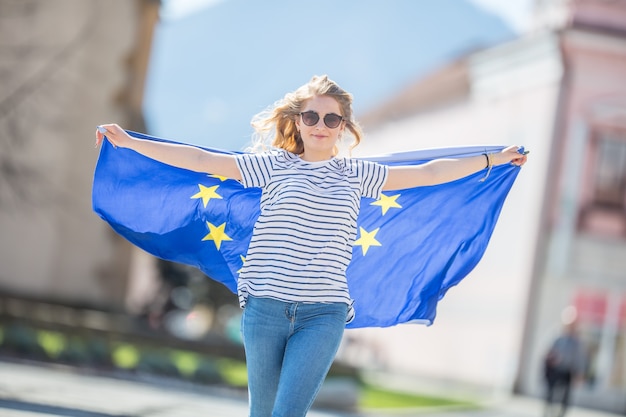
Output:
(290, 347)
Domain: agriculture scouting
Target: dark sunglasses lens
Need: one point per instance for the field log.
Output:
(332, 120)
(310, 118)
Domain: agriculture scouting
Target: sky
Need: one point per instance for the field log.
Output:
(515, 12)
(200, 55)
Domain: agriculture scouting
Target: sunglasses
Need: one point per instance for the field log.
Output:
(331, 120)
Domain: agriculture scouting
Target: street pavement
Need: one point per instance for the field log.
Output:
(32, 390)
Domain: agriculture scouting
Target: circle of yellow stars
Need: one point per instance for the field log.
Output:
(217, 233)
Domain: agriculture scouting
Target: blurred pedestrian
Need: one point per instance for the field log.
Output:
(564, 366)
(293, 286)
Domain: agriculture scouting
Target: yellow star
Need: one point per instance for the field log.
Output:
(387, 202)
(206, 193)
(216, 234)
(367, 239)
(219, 177)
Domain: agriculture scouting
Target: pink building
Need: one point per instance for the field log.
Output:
(559, 251)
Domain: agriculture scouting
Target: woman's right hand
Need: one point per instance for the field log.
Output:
(115, 134)
(175, 154)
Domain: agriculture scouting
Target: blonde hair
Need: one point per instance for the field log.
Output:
(276, 126)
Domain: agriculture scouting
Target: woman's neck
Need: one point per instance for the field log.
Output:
(315, 157)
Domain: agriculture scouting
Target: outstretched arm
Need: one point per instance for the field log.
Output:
(440, 171)
(181, 156)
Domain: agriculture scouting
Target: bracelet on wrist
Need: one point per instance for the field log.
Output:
(488, 156)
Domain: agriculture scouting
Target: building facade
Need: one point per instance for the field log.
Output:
(560, 245)
(66, 66)
(581, 259)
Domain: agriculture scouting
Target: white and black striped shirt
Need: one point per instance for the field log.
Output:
(302, 241)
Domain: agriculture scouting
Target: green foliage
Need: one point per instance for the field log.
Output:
(22, 341)
(234, 372)
(187, 363)
(379, 398)
(125, 356)
(53, 343)
(107, 352)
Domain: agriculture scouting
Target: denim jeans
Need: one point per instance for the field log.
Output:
(290, 347)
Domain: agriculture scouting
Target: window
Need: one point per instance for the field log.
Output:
(610, 172)
(603, 211)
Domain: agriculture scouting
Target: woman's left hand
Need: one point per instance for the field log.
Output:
(510, 154)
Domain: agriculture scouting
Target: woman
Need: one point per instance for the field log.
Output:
(292, 286)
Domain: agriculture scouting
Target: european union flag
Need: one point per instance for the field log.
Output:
(412, 245)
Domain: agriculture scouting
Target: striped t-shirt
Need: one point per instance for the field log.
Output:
(302, 241)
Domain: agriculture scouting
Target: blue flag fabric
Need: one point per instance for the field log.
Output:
(412, 245)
